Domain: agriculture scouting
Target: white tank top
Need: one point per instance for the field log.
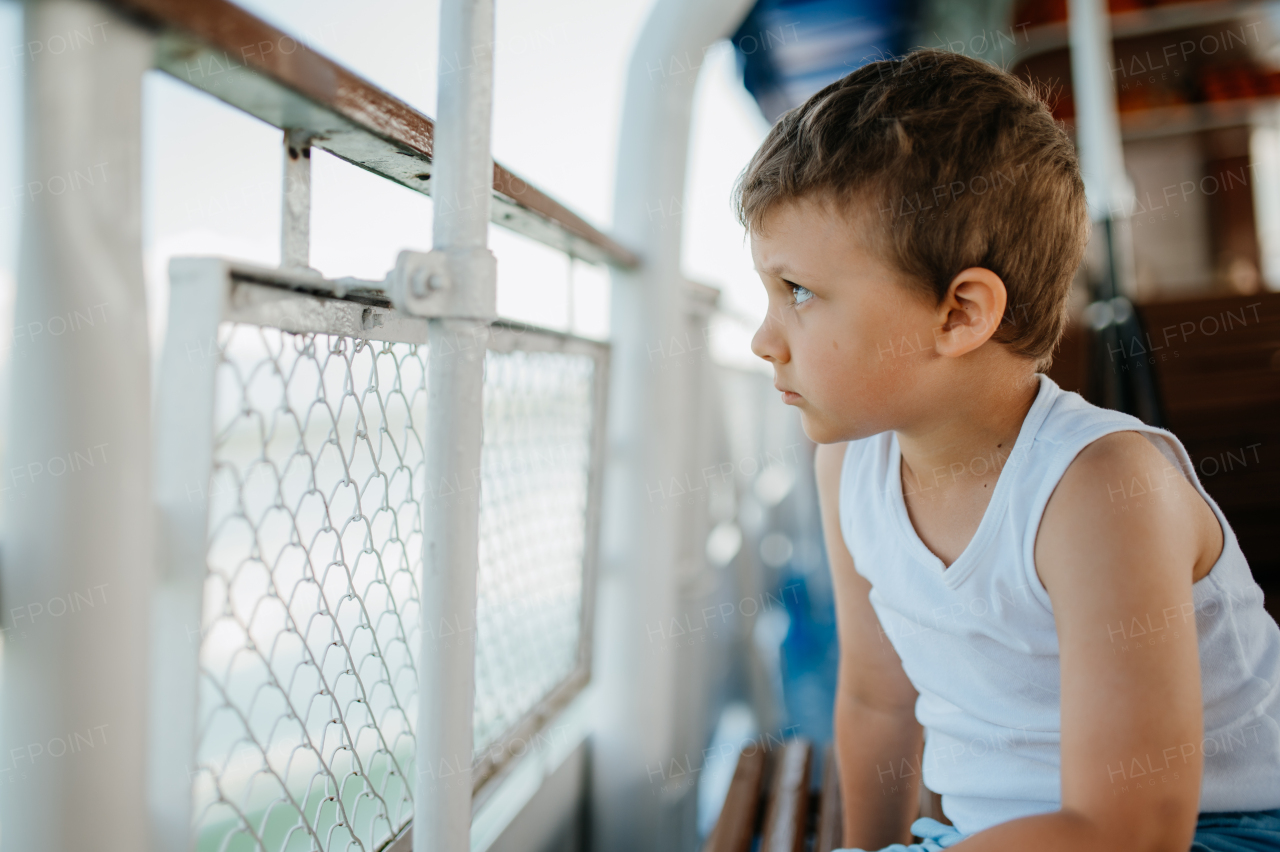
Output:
(977, 638)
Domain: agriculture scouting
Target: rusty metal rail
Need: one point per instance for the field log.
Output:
(237, 57)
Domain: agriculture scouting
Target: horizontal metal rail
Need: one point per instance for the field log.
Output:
(221, 49)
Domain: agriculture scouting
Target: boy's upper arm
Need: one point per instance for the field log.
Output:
(1118, 572)
(870, 670)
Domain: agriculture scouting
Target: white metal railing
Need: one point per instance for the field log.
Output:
(320, 583)
(302, 423)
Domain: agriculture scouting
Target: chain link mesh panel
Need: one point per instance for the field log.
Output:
(311, 601)
(311, 605)
(533, 521)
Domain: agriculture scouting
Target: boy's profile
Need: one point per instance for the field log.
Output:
(1042, 615)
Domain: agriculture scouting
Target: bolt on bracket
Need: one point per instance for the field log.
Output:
(445, 283)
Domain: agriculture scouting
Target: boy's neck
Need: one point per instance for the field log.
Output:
(975, 420)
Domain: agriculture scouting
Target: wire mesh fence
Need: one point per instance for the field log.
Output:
(533, 523)
(311, 600)
(310, 625)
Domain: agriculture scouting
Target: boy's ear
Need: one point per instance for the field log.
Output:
(970, 312)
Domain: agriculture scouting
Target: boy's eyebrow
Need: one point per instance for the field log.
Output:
(777, 270)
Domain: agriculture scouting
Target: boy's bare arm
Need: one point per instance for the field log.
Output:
(878, 740)
(1118, 569)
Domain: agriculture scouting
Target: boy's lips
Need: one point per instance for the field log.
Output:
(788, 396)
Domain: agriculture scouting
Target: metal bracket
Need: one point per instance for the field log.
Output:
(295, 208)
(452, 283)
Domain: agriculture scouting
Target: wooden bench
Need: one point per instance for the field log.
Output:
(770, 796)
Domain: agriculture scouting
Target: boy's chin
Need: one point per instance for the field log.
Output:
(824, 431)
(818, 430)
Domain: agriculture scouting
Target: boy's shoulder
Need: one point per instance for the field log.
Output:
(1107, 462)
(1101, 456)
(1126, 492)
(1082, 444)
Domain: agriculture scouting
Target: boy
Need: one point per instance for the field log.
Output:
(1040, 610)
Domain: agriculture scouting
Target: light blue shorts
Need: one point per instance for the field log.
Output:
(1232, 831)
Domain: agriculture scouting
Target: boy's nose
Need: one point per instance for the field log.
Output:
(767, 343)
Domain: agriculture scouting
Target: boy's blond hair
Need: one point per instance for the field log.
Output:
(945, 162)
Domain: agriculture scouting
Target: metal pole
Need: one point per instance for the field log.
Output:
(78, 542)
(1117, 380)
(462, 185)
(1108, 189)
(639, 711)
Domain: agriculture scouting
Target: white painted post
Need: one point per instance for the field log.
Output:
(462, 182)
(184, 424)
(78, 538)
(640, 724)
(1107, 186)
(1264, 152)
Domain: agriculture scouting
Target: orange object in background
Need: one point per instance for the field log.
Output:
(1233, 81)
(1037, 12)
(1064, 106)
(1148, 97)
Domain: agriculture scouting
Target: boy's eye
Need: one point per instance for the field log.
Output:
(799, 294)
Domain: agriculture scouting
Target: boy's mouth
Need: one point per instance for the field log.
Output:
(788, 396)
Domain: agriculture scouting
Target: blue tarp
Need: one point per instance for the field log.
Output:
(789, 49)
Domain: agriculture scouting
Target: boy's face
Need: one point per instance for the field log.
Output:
(855, 343)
